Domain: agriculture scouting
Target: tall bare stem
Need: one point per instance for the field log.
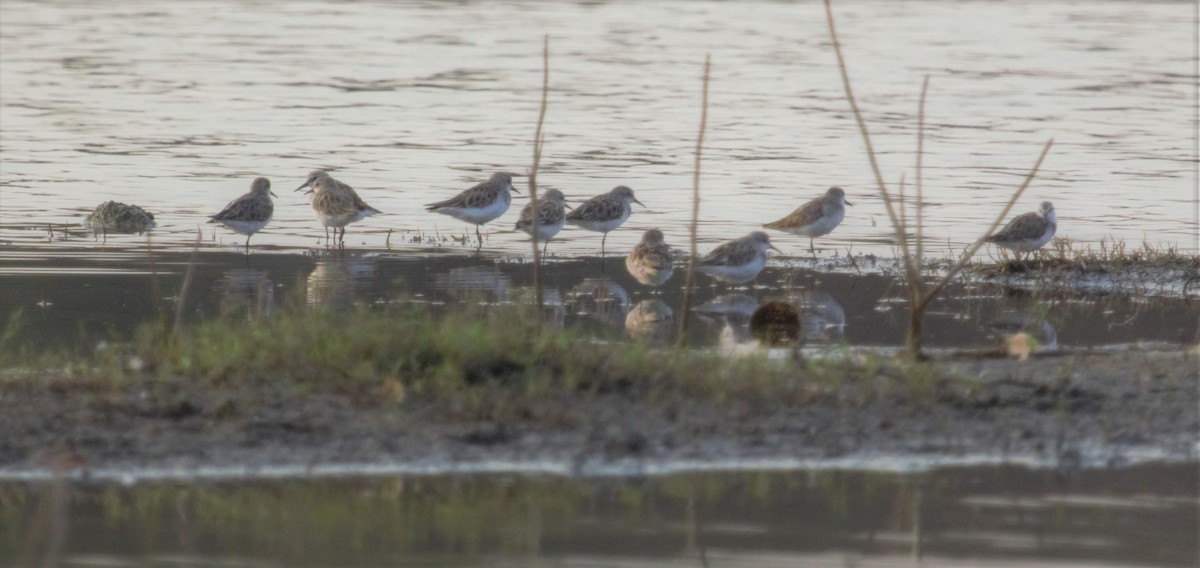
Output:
(538, 141)
(919, 299)
(689, 280)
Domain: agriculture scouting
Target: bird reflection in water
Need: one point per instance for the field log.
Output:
(651, 321)
(601, 299)
(481, 283)
(340, 281)
(246, 290)
(1023, 332)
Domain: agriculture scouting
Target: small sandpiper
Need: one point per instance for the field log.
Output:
(483, 203)
(1029, 231)
(249, 213)
(335, 204)
(552, 207)
(605, 212)
(650, 261)
(816, 218)
(738, 261)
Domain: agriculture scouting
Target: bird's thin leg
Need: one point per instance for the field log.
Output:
(478, 235)
(812, 248)
(602, 241)
(248, 243)
(544, 243)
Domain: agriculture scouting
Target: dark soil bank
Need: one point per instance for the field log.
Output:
(1070, 411)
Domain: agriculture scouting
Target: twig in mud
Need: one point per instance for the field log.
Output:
(183, 290)
(690, 279)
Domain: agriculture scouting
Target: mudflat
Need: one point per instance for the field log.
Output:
(1092, 409)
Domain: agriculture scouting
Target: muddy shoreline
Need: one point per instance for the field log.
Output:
(1065, 411)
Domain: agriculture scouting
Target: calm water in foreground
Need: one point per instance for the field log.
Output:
(982, 516)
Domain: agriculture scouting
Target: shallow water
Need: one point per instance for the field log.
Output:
(80, 297)
(178, 106)
(981, 516)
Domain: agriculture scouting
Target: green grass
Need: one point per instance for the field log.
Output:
(494, 362)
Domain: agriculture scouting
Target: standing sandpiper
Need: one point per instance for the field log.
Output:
(551, 212)
(650, 261)
(605, 212)
(816, 218)
(480, 204)
(249, 213)
(335, 204)
(739, 260)
(1028, 232)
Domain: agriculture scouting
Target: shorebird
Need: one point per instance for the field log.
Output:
(650, 261)
(249, 213)
(119, 218)
(1029, 231)
(335, 204)
(816, 218)
(551, 213)
(483, 203)
(739, 260)
(605, 212)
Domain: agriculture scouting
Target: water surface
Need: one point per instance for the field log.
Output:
(981, 516)
(178, 106)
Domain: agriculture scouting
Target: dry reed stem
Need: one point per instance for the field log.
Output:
(912, 266)
(183, 290)
(971, 250)
(920, 256)
(690, 279)
(862, 128)
(538, 141)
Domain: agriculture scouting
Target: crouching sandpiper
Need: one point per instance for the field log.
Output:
(738, 261)
(650, 261)
(249, 213)
(605, 212)
(552, 207)
(1029, 231)
(816, 218)
(335, 204)
(481, 204)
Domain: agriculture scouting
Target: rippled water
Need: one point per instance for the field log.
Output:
(982, 516)
(176, 106)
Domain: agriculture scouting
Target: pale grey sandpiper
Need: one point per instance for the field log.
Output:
(816, 218)
(650, 262)
(1029, 231)
(335, 204)
(552, 207)
(605, 212)
(481, 204)
(738, 261)
(249, 213)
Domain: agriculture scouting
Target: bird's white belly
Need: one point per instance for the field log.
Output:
(822, 226)
(478, 215)
(736, 274)
(336, 220)
(648, 276)
(544, 232)
(245, 227)
(1031, 245)
(602, 226)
